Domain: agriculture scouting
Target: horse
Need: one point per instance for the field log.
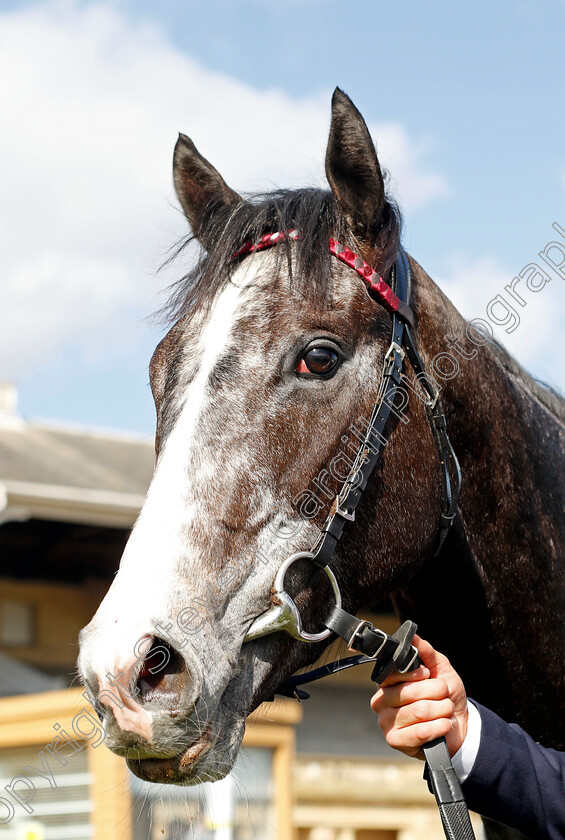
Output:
(270, 367)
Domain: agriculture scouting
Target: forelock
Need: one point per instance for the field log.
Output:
(307, 262)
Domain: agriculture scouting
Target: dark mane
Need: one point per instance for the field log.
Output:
(547, 395)
(314, 212)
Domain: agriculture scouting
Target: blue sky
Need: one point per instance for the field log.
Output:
(465, 103)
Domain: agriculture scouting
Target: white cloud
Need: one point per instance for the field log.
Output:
(540, 349)
(403, 158)
(91, 105)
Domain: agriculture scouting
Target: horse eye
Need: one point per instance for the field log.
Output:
(318, 360)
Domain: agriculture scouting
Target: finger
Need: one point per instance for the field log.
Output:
(430, 657)
(423, 711)
(411, 739)
(395, 696)
(420, 673)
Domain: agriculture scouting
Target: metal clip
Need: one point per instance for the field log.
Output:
(342, 512)
(394, 348)
(357, 632)
(431, 404)
(410, 663)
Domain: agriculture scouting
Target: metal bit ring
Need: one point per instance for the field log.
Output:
(284, 614)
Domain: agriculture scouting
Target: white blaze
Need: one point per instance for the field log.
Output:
(149, 563)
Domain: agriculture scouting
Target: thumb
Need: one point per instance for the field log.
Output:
(434, 661)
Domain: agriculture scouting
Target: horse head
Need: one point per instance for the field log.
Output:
(263, 385)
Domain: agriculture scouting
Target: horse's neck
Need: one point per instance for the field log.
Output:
(495, 597)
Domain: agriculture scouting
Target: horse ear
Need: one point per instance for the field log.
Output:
(199, 186)
(352, 167)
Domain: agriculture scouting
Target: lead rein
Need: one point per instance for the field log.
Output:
(394, 653)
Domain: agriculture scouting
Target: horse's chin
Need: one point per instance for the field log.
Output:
(207, 759)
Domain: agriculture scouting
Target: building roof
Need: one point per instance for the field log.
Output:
(17, 678)
(69, 474)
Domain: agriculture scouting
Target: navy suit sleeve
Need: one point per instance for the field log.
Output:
(516, 781)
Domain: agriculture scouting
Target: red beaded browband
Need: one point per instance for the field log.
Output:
(376, 286)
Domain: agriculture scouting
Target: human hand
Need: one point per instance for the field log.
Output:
(424, 704)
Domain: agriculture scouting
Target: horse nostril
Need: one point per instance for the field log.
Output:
(163, 675)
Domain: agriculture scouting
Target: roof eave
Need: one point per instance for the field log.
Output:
(22, 500)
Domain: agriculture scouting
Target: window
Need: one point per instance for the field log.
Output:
(59, 814)
(16, 624)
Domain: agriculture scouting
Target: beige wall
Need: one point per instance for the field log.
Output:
(59, 612)
(363, 799)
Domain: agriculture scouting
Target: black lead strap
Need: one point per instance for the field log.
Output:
(447, 791)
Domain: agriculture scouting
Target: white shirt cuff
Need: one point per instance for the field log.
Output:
(465, 756)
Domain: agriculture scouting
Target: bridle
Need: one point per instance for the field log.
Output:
(388, 653)
(395, 298)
